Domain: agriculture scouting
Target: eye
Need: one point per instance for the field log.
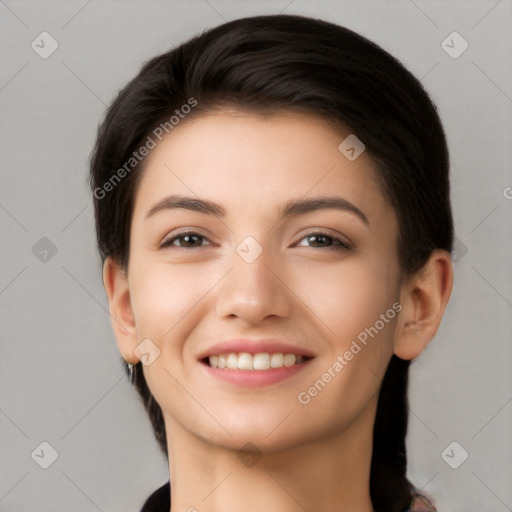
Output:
(325, 241)
(192, 240)
(187, 240)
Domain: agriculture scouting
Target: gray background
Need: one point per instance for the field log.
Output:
(61, 380)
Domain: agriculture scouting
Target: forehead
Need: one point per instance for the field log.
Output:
(247, 159)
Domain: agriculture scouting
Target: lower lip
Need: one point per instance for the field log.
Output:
(255, 378)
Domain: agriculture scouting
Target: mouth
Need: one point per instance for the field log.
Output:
(254, 362)
(261, 361)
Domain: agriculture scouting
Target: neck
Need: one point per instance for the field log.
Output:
(332, 473)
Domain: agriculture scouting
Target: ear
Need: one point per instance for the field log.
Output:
(424, 297)
(115, 281)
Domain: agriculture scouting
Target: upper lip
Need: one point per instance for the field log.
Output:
(255, 346)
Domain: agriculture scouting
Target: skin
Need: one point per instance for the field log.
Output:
(313, 456)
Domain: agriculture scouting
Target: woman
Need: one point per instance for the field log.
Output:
(273, 216)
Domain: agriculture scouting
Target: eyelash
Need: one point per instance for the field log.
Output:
(337, 245)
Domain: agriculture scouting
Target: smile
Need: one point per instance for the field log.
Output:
(260, 361)
(254, 370)
(254, 362)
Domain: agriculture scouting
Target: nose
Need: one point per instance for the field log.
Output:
(253, 292)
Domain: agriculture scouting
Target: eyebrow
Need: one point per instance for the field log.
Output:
(289, 209)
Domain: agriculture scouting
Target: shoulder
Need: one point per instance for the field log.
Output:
(159, 501)
(420, 503)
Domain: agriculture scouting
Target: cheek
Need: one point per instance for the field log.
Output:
(163, 297)
(357, 306)
(350, 297)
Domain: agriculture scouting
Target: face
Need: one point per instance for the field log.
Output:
(273, 242)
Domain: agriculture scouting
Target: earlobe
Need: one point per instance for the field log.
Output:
(424, 297)
(120, 308)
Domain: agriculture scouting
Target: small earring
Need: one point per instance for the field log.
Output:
(130, 368)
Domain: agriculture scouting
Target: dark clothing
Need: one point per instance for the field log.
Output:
(160, 501)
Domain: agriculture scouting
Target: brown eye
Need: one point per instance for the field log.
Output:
(325, 241)
(185, 240)
(322, 240)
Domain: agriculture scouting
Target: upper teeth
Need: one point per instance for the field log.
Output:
(260, 361)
